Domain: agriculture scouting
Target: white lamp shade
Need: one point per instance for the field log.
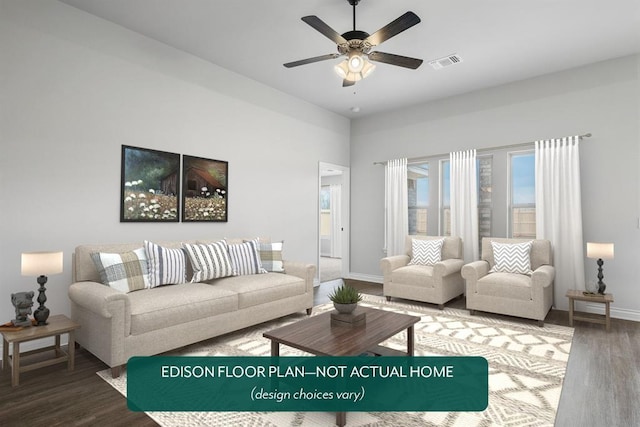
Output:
(600, 250)
(41, 263)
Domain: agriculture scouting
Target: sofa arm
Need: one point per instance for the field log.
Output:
(98, 298)
(543, 276)
(447, 266)
(301, 270)
(475, 270)
(388, 264)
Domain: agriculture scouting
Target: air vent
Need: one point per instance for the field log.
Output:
(445, 61)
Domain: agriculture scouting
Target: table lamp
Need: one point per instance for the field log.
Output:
(40, 264)
(600, 251)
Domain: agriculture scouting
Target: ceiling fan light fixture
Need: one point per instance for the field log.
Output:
(342, 69)
(356, 61)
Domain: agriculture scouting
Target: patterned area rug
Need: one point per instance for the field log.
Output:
(526, 369)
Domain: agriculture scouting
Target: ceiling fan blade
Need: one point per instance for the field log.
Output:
(323, 28)
(394, 28)
(346, 83)
(400, 61)
(311, 60)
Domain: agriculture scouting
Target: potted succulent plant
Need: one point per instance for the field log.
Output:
(345, 298)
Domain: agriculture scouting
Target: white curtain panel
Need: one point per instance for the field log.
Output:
(336, 220)
(396, 207)
(464, 201)
(559, 211)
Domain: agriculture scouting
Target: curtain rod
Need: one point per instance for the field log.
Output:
(480, 150)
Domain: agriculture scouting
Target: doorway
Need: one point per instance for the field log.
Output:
(333, 222)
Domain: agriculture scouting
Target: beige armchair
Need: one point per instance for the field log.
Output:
(436, 284)
(521, 295)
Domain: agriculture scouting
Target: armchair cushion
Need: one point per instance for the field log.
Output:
(414, 275)
(506, 285)
(426, 252)
(512, 257)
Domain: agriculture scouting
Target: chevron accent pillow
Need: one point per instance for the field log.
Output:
(426, 252)
(210, 261)
(512, 258)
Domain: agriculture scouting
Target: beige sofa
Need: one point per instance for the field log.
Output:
(435, 284)
(116, 326)
(520, 295)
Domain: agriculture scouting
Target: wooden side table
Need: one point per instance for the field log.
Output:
(605, 299)
(58, 325)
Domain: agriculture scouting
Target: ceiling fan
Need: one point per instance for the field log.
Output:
(356, 46)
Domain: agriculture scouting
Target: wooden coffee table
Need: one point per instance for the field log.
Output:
(317, 335)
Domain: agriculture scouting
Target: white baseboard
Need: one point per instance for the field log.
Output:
(366, 277)
(616, 313)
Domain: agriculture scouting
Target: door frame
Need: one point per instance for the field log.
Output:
(346, 212)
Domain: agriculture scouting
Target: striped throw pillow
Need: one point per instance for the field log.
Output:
(210, 261)
(512, 258)
(124, 272)
(271, 256)
(426, 252)
(167, 266)
(245, 258)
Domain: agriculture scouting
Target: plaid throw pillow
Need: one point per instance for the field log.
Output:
(124, 272)
(210, 261)
(512, 258)
(167, 266)
(426, 252)
(271, 256)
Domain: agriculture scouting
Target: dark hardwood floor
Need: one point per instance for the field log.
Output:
(601, 386)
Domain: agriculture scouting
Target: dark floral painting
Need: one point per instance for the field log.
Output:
(149, 185)
(204, 189)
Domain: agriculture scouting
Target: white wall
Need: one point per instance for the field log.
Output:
(602, 98)
(75, 87)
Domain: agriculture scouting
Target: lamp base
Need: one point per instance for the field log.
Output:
(601, 287)
(41, 315)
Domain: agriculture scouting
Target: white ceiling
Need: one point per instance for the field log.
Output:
(499, 41)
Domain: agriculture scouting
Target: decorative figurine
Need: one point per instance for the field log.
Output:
(22, 301)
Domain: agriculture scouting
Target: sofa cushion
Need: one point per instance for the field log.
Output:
(505, 285)
(167, 266)
(261, 288)
(209, 261)
(124, 272)
(512, 257)
(414, 275)
(164, 306)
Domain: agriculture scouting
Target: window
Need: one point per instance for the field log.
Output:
(418, 197)
(522, 197)
(484, 172)
(325, 210)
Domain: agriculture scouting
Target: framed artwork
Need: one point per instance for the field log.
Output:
(149, 185)
(204, 189)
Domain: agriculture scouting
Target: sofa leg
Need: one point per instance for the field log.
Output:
(388, 299)
(309, 311)
(115, 371)
(472, 312)
(541, 323)
(440, 306)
